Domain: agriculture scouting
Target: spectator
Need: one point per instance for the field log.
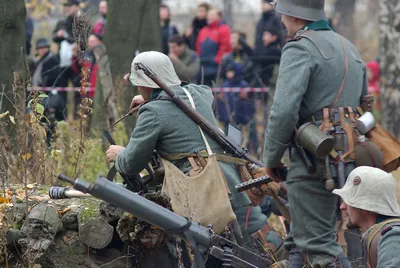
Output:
(29, 27)
(185, 61)
(63, 35)
(269, 20)
(47, 66)
(212, 43)
(270, 55)
(89, 61)
(100, 25)
(373, 75)
(167, 30)
(198, 23)
(45, 75)
(241, 53)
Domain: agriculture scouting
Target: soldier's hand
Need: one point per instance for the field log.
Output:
(113, 152)
(136, 102)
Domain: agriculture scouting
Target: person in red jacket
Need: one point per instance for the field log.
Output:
(88, 60)
(100, 25)
(212, 43)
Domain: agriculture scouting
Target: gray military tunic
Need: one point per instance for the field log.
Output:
(162, 126)
(309, 79)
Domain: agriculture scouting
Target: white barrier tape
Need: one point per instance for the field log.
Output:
(214, 89)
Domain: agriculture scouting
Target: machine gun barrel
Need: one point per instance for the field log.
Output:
(206, 239)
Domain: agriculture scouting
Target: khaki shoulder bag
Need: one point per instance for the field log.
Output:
(202, 198)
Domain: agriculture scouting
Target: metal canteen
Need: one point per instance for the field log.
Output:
(314, 140)
(365, 123)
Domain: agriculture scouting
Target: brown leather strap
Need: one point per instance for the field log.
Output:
(351, 114)
(349, 133)
(326, 123)
(346, 59)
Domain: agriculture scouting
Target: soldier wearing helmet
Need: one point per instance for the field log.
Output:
(321, 75)
(163, 127)
(369, 198)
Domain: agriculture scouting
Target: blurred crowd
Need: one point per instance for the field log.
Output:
(208, 52)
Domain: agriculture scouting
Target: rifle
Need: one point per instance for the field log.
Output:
(202, 239)
(224, 141)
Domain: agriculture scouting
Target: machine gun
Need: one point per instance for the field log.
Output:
(203, 240)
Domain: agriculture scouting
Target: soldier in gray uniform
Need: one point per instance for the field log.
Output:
(163, 127)
(369, 198)
(319, 69)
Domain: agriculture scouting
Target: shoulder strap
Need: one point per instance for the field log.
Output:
(209, 151)
(372, 241)
(320, 42)
(346, 69)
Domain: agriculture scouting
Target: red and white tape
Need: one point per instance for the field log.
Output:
(214, 89)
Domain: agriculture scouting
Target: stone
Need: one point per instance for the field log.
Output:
(96, 233)
(46, 213)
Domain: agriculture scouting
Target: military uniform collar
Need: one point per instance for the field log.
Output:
(319, 25)
(155, 93)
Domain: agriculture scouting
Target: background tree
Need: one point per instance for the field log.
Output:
(12, 36)
(132, 25)
(390, 64)
(345, 9)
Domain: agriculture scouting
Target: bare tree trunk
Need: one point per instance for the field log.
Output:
(346, 9)
(228, 10)
(131, 25)
(12, 36)
(390, 65)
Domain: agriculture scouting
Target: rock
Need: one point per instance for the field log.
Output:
(70, 221)
(13, 235)
(38, 236)
(96, 233)
(46, 213)
(110, 212)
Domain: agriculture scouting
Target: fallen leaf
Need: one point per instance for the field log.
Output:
(4, 114)
(12, 119)
(31, 185)
(4, 200)
(26, 156)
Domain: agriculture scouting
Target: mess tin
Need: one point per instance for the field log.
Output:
(314, 140)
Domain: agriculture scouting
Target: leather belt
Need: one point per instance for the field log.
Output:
(319, 115)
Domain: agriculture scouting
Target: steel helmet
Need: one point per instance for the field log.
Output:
(311, 10)
(371, 189)
(160, 64)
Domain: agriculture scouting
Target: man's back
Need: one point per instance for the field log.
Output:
(163, 126)
(322, 71)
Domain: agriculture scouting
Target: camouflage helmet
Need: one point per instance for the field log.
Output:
(311, 10)
(370, 189)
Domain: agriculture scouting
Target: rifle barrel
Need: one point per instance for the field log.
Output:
(224, 141)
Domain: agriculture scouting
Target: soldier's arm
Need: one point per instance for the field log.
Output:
(365, 84)
(188, 72)
(389, 248)
(141, 144)
(294, 72)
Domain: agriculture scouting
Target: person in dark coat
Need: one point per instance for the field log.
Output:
(64, 32)
(46, 68)
(267, 57)
(167, 30)
(198, 23)
(241, 54)
(269, 20)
